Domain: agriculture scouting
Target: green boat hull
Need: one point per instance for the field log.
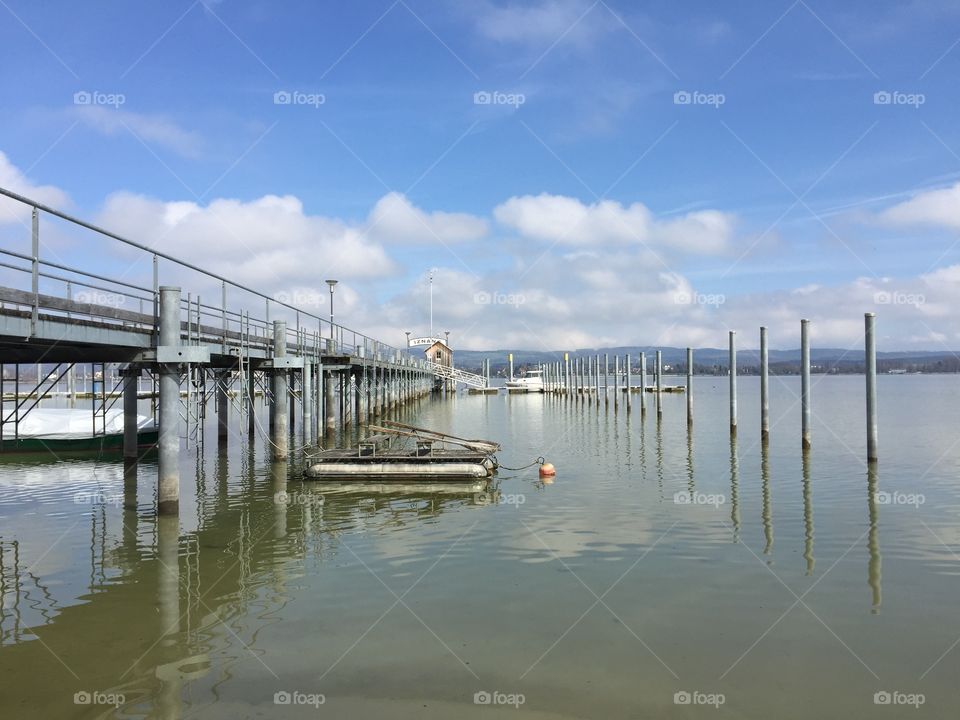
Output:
(104, 444)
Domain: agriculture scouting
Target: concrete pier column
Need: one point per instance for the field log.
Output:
(223, 407)
(131, 376)
(280, 432)
(251, 402)
(168, 445)
(306, 400)
(329, 393)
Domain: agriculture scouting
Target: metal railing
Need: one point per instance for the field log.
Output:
(457, 375)
(228, 323)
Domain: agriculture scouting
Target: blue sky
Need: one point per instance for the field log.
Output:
(782, 190)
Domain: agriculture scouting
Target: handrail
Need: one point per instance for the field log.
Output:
(166, 256)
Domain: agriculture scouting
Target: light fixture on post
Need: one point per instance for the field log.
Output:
(331, 283)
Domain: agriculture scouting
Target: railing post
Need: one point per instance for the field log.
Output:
(223, 316)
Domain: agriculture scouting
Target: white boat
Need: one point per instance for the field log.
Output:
(530, 381)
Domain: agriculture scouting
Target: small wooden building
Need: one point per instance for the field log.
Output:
(439, 353)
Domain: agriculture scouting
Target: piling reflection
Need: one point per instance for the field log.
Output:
(734, 488)
(873, 539)
(807, 514)
(767, 513)
(660, 455)
(691, 477)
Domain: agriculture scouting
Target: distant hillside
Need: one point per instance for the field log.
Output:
(709, 361)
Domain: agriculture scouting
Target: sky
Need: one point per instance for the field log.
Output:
(575, 174)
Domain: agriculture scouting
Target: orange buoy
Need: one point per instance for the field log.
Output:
(547, 470)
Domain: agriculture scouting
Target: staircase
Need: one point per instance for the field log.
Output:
(460, 376)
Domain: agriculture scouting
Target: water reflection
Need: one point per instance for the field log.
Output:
(873, 539)
(767, 513)
(807, 514)
(734, 489)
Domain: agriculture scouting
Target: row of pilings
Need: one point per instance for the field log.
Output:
(589, 377)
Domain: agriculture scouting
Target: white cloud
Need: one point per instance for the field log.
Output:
(939, 207)
(394, 219)
(267, 243)
(151, 129)
(12, 178)
(568, 221)
(543, 22)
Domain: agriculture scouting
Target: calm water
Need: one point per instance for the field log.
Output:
(786, 589)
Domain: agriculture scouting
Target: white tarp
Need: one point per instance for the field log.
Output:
(72, 424)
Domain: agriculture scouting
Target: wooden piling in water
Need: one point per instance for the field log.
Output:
(870, 356)
(764, 387)
(805, 383)
(689, 386)
(733, 382)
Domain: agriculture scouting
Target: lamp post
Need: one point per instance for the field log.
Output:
(331, 283)
(447, 333)
(408, 339)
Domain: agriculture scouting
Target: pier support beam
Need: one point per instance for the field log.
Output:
(805, 382)
(130, 378)
(329, 400)
(870, 343)
(280, 430)
(306, 400)
(168, 445)
(223, 407)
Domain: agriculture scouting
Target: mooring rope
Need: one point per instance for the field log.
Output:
(538, 461)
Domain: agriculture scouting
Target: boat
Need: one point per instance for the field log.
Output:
(530, 381)
(74, 430)
(430, 460)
